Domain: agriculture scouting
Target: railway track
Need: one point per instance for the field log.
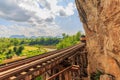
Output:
(27, 60)
(19, 69)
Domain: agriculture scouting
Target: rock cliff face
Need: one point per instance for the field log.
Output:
(101, 21)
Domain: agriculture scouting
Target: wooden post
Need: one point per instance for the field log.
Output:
(60, 77)
(44, 76)
(28, 77)
(68, 75)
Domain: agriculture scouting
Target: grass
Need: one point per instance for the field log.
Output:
(29, 48)
(32, 51)
(28, 51)
(26, 48)
(49, 46)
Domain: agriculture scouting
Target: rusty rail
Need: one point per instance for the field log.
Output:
(39, 63)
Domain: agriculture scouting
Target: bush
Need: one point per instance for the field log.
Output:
(18, 50)
(96, 76)
(39, 78)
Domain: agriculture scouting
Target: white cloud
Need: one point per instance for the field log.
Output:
(30, 31)
(38, 13)
(45, 9)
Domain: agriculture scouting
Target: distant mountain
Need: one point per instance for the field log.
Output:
(17, 36)
(33, 37)
(59, 36)
(23, 36)
(45, 36)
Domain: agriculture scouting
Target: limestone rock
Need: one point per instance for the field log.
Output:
(101, 21)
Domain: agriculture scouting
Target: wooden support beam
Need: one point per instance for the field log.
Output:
(64, 70)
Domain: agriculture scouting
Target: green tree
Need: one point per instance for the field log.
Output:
(69, 41)
(63, 34)
(9, 54)
(19, 50)
(15, 49)
(78, 35)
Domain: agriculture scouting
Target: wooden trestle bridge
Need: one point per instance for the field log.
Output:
(66, 64)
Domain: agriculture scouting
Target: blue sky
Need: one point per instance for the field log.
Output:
(38, 18)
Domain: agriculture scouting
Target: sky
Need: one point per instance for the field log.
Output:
(38, 18)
